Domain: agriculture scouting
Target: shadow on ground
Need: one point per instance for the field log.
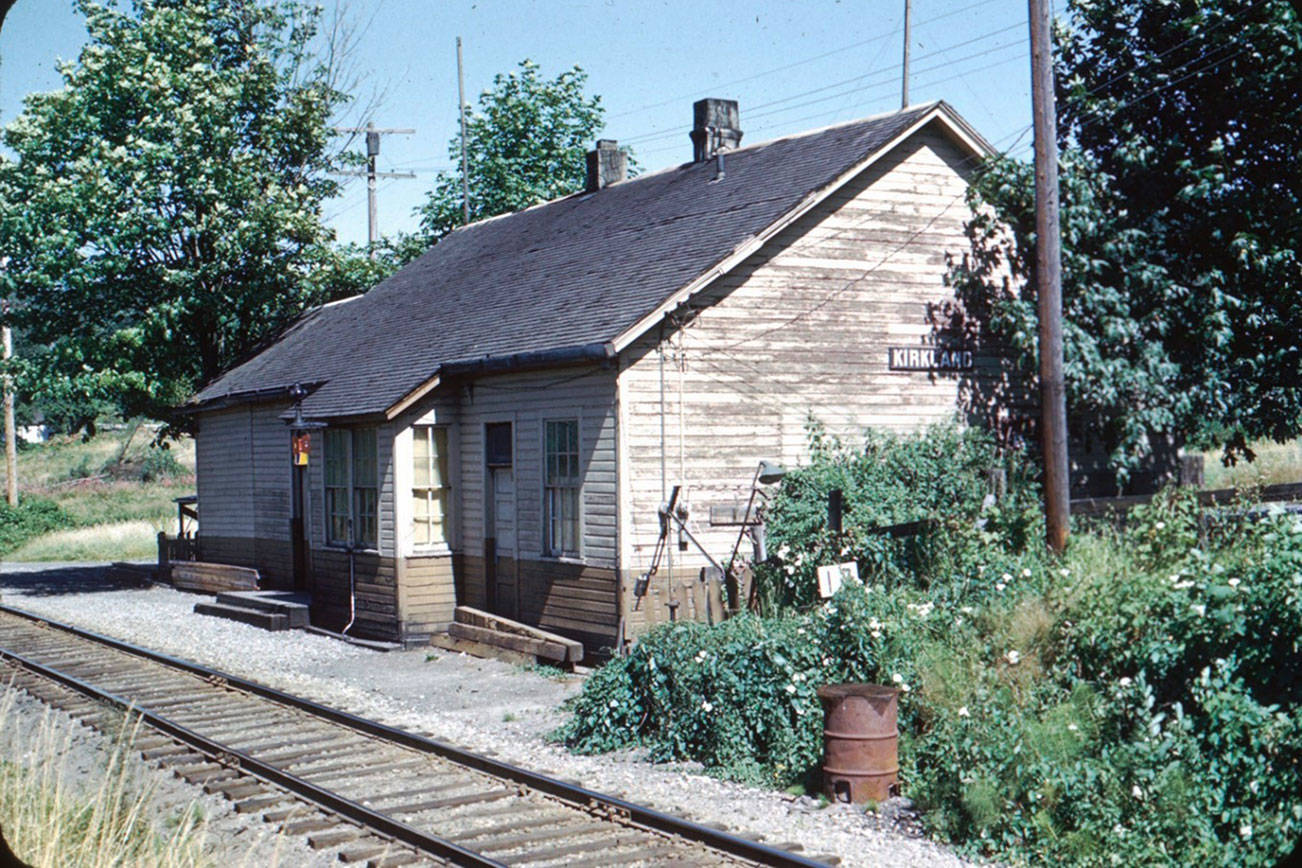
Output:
(48, 580)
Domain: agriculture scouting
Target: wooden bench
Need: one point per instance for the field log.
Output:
(213, 578)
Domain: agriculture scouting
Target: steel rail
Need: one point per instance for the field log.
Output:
(219, 752)
(725, 842)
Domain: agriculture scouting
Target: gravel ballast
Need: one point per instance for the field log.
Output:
(486, 705)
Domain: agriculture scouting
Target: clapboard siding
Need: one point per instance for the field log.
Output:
(426, 595)
(549, 589)
(799, 330)
(224, 473)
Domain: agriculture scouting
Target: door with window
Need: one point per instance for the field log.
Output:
(500, 568)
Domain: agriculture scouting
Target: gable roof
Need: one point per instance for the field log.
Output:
(568, 280)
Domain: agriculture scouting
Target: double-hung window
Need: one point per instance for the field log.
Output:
(351, 487)
(561, 493)
(430, 522)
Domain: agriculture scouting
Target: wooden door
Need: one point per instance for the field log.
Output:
(506, 592)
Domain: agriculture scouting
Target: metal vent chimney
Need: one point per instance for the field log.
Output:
(607, 165)
(715, 127)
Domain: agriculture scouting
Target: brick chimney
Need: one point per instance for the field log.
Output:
(607, 164)
(715, 127)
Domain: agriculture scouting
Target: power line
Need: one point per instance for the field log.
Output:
(807, 60)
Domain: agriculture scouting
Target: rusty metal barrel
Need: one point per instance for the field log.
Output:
(861, 742)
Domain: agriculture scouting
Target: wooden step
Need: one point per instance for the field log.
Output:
(257, 617)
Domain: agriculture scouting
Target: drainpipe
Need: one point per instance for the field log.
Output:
(352, 580)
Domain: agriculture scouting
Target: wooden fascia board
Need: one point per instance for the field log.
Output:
(962, 132)
(412, 397)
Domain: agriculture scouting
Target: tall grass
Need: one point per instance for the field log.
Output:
(111, 491)
(1275, 463)
(55, 815)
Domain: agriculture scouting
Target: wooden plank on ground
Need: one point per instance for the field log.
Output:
(496, 624)
(213, 578)
(523, 644)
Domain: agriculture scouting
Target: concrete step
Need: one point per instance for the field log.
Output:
(296, 607)
(257, 617)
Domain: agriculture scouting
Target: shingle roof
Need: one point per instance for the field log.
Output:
(572, 272)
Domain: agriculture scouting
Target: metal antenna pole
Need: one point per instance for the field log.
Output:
(904, 87)
(371, 175)
(461, 106)
(1048, 280)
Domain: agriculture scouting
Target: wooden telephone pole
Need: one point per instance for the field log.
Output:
(370, 174)
(1048, 283)
(904, 86)
(11, 441)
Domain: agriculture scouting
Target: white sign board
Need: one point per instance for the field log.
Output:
(831, 576)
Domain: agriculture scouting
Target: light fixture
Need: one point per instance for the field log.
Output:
(770, 472)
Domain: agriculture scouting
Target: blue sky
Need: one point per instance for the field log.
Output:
(792, 66)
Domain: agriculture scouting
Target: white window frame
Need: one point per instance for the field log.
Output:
(554, 494)
(449, 509)
(352, 491)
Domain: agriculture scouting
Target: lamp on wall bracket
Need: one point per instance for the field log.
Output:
(298, 392)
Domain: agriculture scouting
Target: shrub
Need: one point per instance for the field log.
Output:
(938, 476)
(31, 517)
(1137, 701)
(160, 463)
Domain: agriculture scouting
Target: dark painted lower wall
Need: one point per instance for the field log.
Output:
(574, 600)
(273, 559)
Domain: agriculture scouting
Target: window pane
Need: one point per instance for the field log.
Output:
(336, 457)
(364, 517)
(439, 530)
(570, 520)
(420, 472)
(337, 515)
(364, 475)
(439, 444)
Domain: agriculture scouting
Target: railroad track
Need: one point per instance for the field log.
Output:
(379, 795)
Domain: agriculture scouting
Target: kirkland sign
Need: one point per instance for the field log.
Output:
(929, 359)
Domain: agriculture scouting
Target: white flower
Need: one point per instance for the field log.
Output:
(1245, 831)
(791, 688)
(999, 586)
(904, 687)
(1007, 577)
(874, 624)
(1136, 792)
(1175, 577)
(1124, 681)
(1071, 727)
(1161, 525)
(897, 678)
(706, 706)
(1064, 572)
(966, 610)
(800, 631)
(1026, 572)
(963, 712)
(1233, 583)
(614, 703)
(651, 662)
(1013, 658)
(1199, 609)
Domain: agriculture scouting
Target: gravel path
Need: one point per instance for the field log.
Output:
(486, 705)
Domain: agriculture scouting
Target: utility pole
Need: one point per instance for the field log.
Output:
(11, 442)
(372, 152)
(1048, 283)
(904, 88)
(461, 106)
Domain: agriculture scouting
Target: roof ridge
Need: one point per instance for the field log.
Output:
(679, 166)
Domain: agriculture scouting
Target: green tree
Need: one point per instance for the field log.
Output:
(161, 210)
(1180, 125)
(525, 144)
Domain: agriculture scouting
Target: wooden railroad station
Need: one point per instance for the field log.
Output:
(497, 424)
